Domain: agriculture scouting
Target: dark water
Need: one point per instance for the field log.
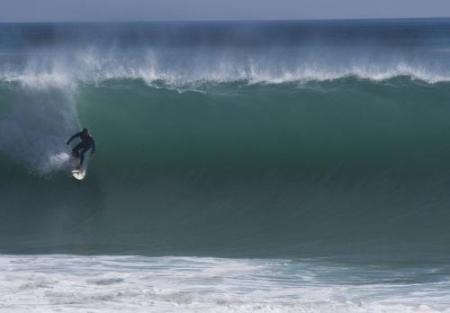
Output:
(275, 139)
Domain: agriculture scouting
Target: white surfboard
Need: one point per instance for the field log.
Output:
(79, 174)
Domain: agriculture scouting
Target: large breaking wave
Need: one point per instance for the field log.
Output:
(248, 139)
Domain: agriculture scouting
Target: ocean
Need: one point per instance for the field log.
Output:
(278, 166)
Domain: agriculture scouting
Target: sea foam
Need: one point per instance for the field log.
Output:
(51, 283)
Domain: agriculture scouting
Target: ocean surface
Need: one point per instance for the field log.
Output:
(297, 166)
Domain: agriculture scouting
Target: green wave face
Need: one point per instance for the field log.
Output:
(339, 167)
(313, 129)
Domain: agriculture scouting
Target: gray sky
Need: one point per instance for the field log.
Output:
(132, 10)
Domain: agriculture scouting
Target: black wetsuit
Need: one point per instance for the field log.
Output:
(87, 142)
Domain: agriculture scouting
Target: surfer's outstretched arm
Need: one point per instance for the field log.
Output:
(73, 137)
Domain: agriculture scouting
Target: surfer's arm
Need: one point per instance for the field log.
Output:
(73, 137)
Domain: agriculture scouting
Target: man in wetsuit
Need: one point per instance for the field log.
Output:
(87, 143)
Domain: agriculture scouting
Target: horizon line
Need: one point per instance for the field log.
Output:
(224, 20)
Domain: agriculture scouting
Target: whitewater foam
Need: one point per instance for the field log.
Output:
(50, 283)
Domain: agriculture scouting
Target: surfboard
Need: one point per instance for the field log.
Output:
(79, 173)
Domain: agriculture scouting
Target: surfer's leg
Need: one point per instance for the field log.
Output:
(81, 158)
(82, 152)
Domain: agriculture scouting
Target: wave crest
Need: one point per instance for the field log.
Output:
(66, 69)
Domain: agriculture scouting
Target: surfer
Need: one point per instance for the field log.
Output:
(87, 143)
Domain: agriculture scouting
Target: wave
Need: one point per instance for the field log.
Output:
(36, 122)
(240, 144)
(339, 167)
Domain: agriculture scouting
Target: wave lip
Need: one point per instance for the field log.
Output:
(94, 69)
(181, 54)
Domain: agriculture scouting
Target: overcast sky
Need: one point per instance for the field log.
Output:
(146, 10)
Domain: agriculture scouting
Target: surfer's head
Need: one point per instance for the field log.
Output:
(85, 131)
